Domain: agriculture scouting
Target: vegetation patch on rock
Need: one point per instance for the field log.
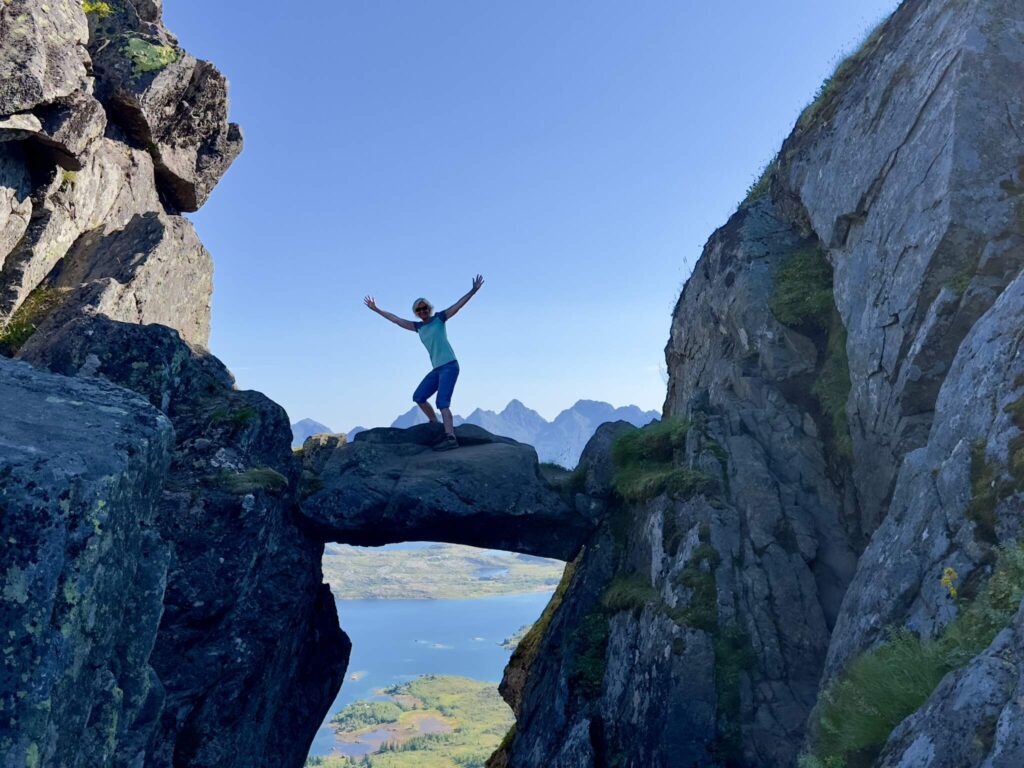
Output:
(100, 9)
(253, 481)
(39, 305)
(529, 645)
(802, 300)
(148, 57)
(823, 105)
(645, 465)
(887, 683)
(590, 655)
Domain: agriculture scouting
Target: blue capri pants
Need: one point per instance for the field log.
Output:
(440, 380)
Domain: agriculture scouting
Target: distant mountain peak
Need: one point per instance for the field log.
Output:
(307, 428)
(560, 441)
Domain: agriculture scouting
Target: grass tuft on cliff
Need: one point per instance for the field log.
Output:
(802, 300)
(529, 645)
(39, 305)
(885, 684)
(825, 101)
(645, 466)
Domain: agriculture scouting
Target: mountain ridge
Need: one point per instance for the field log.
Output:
(559, 441)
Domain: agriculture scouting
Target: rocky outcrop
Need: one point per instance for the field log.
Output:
(249, 633)
(81, 467)
(167, 101)
(169, 589)
(94, 171)
(42, 54)
(388, 485)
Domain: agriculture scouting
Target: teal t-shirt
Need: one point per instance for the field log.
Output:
(434, 336)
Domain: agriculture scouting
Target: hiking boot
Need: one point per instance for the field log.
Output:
(447, 443)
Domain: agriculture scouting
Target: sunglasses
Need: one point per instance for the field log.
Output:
(422, 309)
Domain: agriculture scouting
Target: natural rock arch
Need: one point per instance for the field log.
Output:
(389, 486)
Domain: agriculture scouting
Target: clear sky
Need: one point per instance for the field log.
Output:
(577, 154)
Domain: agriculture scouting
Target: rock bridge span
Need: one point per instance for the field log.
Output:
(389, 486)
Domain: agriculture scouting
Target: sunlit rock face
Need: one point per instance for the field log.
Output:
(847, 359)
(108, 131)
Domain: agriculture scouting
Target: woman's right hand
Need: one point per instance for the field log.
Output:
(368, 301)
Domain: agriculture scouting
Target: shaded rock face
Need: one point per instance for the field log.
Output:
(848, 355)
(249, 633)
(389, 485)
(95, 170)
(752, 573)
(81, 465)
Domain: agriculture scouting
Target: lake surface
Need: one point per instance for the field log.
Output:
(394, 641)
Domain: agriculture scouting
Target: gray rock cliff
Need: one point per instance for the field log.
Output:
(108, 130)
(845, 362)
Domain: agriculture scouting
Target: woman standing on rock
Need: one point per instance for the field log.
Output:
(433, 333)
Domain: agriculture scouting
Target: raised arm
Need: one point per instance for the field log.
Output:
(407, 324)
(477, 282)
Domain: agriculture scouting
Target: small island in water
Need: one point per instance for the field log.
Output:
(435, 721)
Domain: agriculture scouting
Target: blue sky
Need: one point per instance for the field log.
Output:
(577, 154)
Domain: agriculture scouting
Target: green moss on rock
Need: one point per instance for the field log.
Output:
(527, 649)
(237, 419)
(629, 593)
(802, 299)
(832, 388)
(253, 481)
(147, 56)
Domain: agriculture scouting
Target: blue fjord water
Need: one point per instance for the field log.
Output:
(396, 640)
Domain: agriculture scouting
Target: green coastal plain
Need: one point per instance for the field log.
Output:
(434, 721)
(438, 572)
